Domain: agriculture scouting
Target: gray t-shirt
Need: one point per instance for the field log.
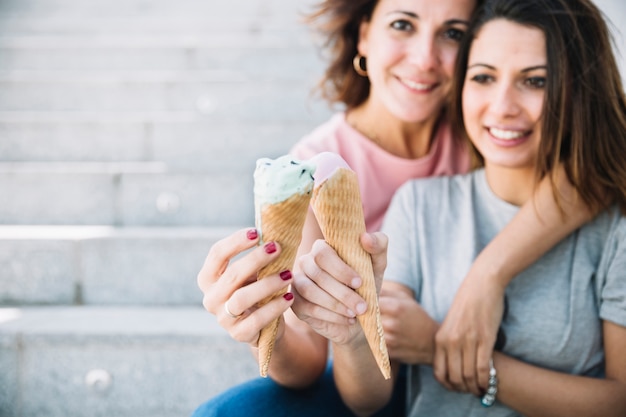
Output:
(437, 227)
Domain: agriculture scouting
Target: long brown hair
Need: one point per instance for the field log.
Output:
(584, 110)
(338, 22)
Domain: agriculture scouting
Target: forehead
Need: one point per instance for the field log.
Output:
(504, 41)
(440, 10)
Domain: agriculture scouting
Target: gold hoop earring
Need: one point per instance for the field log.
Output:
(359, 64)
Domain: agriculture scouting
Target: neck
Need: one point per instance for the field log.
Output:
(409, 140)
(513, 185)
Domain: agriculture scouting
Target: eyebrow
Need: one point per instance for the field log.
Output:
(491, 67)
(416, 16)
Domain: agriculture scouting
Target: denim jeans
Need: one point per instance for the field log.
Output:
(263, 397)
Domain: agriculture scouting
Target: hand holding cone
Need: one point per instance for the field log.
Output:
(339, 212)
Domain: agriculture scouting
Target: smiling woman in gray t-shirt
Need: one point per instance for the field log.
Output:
(536, 89)
(437, 226)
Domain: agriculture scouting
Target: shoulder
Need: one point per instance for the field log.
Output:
(440, 186)
(440, 197)
(323, 138)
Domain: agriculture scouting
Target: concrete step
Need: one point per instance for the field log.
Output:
(184, 141)
(122, 362)
(254, 58)
(218, 97)
(123, 194)
(152, 7)
(99, 265)
(194, 22)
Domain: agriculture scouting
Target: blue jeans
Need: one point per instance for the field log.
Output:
(263, 397)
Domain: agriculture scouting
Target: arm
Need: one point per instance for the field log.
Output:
(359, 381)
(466, 339)
(539, 392)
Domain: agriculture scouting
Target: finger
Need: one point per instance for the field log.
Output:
(327, 259)
(338, 297)
(376, 245)
(390, 329)
(238, 275)
(469, 365)
(390, 301)
(440, 367)
(483, 355)
(222, 252)
(244, 269)
(314, 302)
(247, 328)
(455, 370)
(248, 297)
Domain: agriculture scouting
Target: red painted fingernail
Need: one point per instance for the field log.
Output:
(285, 275)
(270, 247)
(252, 234)
(288, 296)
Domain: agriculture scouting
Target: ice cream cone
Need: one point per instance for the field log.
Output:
(282, 194)
(339, 212)
(281, 222)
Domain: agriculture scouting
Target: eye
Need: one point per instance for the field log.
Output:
(454, 34)
(401, 25)
(536, 82)
(481, 78)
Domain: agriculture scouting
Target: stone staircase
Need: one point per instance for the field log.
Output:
(129, 130)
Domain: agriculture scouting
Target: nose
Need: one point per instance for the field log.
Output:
(424, 53)
(504, 101)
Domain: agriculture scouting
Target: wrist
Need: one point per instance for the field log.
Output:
(489, 398)
(493, 274)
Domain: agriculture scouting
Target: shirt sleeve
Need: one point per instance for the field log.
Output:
(303, 151)
(399, 226)
(613, 291)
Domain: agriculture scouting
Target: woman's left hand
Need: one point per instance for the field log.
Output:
(465, 340)
(409, 330)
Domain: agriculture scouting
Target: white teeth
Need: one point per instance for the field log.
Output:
(506, 134)
(417, 86)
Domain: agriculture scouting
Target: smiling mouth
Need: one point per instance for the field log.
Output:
(418, 86)
(506, 134)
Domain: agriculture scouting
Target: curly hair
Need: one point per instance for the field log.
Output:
(338, 22)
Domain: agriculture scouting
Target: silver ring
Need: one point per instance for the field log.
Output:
(227, 310)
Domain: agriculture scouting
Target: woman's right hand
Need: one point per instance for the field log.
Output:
(232, 292)
(325, 289)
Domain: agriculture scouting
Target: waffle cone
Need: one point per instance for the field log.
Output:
(281, 222)
(339, 212)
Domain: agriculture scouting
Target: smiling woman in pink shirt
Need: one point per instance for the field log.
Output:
(390, 67)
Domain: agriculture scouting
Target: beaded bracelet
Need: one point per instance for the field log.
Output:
(490, 397)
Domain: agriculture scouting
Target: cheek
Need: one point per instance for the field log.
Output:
(536, 109)
(471, 104)
(382, 56)
(448, 58)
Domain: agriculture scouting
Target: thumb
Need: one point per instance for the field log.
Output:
(376, 245)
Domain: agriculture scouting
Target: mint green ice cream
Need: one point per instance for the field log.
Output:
(275, 180)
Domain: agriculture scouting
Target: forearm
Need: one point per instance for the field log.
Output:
(537, 392)
(299, 357)
(538, 226)
(359, 381)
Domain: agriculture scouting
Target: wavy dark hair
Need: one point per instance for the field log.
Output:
(584, 110)
(338, 22)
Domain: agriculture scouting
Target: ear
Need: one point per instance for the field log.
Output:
(362, 45)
